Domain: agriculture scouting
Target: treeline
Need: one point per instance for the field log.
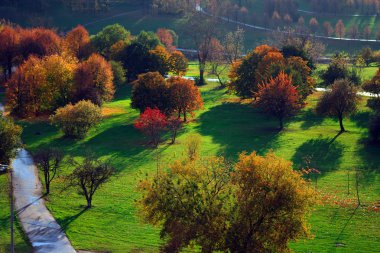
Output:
(43, 71)
(349, 7)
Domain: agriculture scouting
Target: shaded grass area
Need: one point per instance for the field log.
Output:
(21, 243)
(227, 126)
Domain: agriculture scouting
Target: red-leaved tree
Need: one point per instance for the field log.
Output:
(279, 98)
(152, 123)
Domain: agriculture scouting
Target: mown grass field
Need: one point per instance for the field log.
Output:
(227, 126)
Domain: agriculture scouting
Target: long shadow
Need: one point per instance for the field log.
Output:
(239, 127)
(123, 92)
(65, 222)
(323, 154)
(361, 119)
(309, 119)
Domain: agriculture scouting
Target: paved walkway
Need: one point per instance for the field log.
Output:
(44, 233)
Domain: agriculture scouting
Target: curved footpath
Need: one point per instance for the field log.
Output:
(44, 233)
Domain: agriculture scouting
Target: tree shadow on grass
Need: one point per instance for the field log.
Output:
(361, 119)
(309, 119)
(323, 154)
(239, 127)
(65, 222)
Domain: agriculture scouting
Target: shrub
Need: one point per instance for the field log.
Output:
(192, 146)
(10, 139)
(118, 73)
(76, 120)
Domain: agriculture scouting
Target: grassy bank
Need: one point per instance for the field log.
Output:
(227, 127)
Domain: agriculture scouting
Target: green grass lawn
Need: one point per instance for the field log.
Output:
(227, 126)
(21, 243)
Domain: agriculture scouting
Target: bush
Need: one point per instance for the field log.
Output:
(76, 120)
(192, 146)
(10, 139)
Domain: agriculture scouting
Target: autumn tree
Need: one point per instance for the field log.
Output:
(174, 125)
(340, 29)
(89, 175)
(10, 139)
(40, 42)
(279, 98)
(191, 200)
(314, 24)
(329, 30)
(167, 38)
(152, 123)
(78, 42)
(9, 50)
(76, 120)
(266, 62)
(223, 207)
(94, 80)
(265, 222)
(234, 45)
(185, 97)
(341, 101)
(48, 161)
(367, 55)
(151, 90)
(178, 63)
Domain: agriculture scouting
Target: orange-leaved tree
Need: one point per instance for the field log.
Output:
(279, 98)
(94, 80)
(184, 95)
(78, 42)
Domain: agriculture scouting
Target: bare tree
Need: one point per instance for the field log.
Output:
(89, 175)
(48, 161)
(201, 28)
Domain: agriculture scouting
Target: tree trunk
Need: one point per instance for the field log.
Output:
(281, 121)
(341, 124)
(184, 116)
(201, 76)
(89, 202)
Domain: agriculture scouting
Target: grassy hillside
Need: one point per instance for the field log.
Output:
(227, 126)
(135, 18)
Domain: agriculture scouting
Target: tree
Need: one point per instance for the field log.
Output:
(191, 201)
(329, 30)
(166, 38)
(184, 95)
(178, 63)
(367, 32)
(152, 123)
(9, 50)
(148, 40)
(314, 24)
(259, 204)
(89, 175)
(76, 120)
(94, 80)
(78, 42)
(110, 35)
(353, 31)
(118, 73)
(279, 98)
(272, 201)
(338, 69)
(48, 161)
(151, 90)
(367, 55)
(340, 29)
(206, 29)
(174, 124)
(40, 42)
(10, 139)
(340, 101)
(234, 45)
(192, 146)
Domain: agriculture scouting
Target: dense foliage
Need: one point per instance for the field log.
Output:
(76, 120)
(256, 205)
(10, 139)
